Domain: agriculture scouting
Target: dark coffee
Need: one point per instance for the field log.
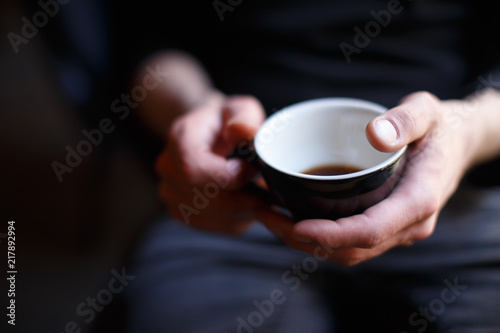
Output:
(332, 170)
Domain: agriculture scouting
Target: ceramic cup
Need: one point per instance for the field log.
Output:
(316, 133)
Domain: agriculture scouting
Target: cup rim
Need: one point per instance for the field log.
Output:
(329, 101)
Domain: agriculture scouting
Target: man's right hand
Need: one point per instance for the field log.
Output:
(199, 185)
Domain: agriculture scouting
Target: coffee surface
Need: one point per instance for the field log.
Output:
(332, 170)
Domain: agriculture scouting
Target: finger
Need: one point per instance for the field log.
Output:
(229, 212)
(208, 202)
(196, 149)
(408, 122)
(243, 116)
(349, 256)
(405, 206)
(213, 197)
(170, 190)
(205, 167)
(275, 222)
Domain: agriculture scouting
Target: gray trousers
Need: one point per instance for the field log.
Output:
(191, 281)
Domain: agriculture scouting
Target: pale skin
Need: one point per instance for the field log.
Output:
(445, 138)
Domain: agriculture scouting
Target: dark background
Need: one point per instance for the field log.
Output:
(70, 235)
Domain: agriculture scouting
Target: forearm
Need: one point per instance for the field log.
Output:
(185, 86)
(481, 121)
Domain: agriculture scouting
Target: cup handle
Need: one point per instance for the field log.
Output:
(246, 152)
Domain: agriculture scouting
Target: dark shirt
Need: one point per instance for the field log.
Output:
(289, 51)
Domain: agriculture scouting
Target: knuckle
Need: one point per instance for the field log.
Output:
(411, 117)
(243, 104)
(423, 232)
(429, 208)
(176, 130)
(248, 99)
(325, 239)
(328, 239)
(426, 201)
(190, 173)
(427, 97)
(432, 103)
(405, 121)
(374, 240)
(372, 235)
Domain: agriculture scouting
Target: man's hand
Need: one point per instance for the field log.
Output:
(200, 186)
(439, 153)
(200, 126)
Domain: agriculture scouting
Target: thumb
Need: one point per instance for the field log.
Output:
(243, 116)
(416, 114)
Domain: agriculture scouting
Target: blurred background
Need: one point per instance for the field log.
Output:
(79, 206)
(59, 74)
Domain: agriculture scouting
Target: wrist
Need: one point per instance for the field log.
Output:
(477, 119)
(185, 85)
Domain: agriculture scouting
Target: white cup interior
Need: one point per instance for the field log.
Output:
(321, 132)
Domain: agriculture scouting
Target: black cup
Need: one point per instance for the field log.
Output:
(310, 134)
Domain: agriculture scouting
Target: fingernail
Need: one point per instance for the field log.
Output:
(385, 131)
